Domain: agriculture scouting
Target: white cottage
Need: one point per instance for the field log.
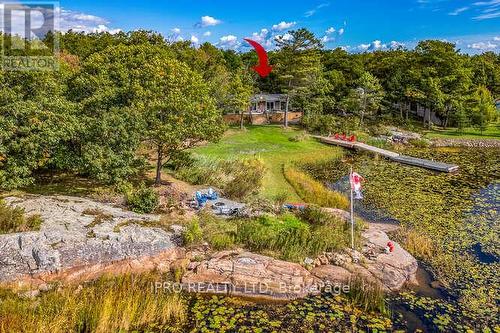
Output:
(268, 103)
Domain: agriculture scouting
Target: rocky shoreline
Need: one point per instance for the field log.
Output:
(72, 247)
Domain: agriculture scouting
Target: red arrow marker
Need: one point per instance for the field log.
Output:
(263, 69)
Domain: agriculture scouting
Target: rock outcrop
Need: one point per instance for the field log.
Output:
(81, 238)
(249, 274)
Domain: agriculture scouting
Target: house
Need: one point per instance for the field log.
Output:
(268, 103)
(497, 103)
(265, 109)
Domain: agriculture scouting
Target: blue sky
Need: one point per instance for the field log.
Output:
(355, 25)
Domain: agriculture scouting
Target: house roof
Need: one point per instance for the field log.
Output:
(268, 97)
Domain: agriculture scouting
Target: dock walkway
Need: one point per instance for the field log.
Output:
(427, 164)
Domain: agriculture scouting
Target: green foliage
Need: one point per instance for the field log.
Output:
(236, 178)
(325, 313)
(329, 124)
(367, 295)
(193, 233)
(142, 199)
(286, 236)
(13, 219)
(247, 176)
(312, 191)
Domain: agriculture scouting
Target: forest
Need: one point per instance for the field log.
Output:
(119, 99)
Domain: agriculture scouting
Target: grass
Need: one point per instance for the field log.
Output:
(287, 236)
(12, 219)
(492, 132)
(313, 191)
(121, 304)
(275, 146)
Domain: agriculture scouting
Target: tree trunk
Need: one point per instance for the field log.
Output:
(446, 118)
(241, 119)
(285, 121)
(429, 119)
(408, 106)
(401, 110)
(159, 165)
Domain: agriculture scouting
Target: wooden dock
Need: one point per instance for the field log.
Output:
(427, 164)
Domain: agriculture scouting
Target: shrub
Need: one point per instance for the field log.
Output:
(325, 124)
(419, 143)
(416, 243)
(219, 233)
(247, 176)
(367, 295)
(142, 199)
(316, 216)
(312, 191)
(236, 178)
(193, 233)
(180, 159)
(12, 219)
(280, 198)
(299, 137)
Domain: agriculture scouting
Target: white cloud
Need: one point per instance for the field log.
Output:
(176, 31)
(209, 21)
(286, 37)
(310, 13)
(264, 37)
(207, 33)
(78, 21)
(496, 39)
(396, 45)
(458, 11)
(483, 46)
(363, 47)
(330, 31)
(229, 42)
(194, 39)
(378, 45)
(487, 16)
(490, 9)
(283, 26)
(313, 11)
(327, 39)
(341, 31)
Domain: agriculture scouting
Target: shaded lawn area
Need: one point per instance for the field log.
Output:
(273, 145)
(492, 132)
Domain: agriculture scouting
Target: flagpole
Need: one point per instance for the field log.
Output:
(352, 209)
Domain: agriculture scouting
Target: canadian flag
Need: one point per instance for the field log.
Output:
(356, 180)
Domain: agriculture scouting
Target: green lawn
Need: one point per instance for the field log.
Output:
(272, 144)
(493, 132)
